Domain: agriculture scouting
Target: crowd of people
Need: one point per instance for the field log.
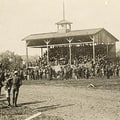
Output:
(82, 67)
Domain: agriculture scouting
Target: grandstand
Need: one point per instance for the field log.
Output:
(71, 44)
(74, 43)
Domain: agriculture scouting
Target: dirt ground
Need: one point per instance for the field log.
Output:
(71, 103)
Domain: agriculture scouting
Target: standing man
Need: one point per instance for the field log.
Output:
(17, 82)
(8, 86)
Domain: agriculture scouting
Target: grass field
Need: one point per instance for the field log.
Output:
(107, 84)
(66, 100)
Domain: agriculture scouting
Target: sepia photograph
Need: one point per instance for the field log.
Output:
(59, 60)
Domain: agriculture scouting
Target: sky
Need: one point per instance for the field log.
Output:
(20, 18)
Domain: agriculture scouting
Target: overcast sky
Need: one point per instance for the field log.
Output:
(19, 18)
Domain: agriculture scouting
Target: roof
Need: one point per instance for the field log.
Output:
(63, 22)
(52, 35)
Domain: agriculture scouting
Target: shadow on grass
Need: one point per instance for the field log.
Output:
(3, 105)
(52, 107)
(29, 103)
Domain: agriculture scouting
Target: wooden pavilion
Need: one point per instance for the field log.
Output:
(96, 38)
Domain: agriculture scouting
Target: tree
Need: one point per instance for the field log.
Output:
(10, 61)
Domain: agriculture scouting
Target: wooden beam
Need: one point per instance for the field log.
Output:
(66, 44)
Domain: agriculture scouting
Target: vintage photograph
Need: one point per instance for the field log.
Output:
(59, 60)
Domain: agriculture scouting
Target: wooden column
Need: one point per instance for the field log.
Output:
(47, 42)
(26, 55)
(107, 48)
(41, 52)
(93, 39)
(70, 53)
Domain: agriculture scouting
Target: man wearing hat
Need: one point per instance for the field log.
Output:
(8, 86)
(17, 82)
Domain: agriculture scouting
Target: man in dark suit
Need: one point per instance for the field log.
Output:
(17, 82)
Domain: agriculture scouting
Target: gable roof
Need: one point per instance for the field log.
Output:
(61, 35)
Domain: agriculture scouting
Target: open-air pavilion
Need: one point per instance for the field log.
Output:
(65, 37)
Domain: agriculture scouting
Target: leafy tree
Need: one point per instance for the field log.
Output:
(10, 61)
